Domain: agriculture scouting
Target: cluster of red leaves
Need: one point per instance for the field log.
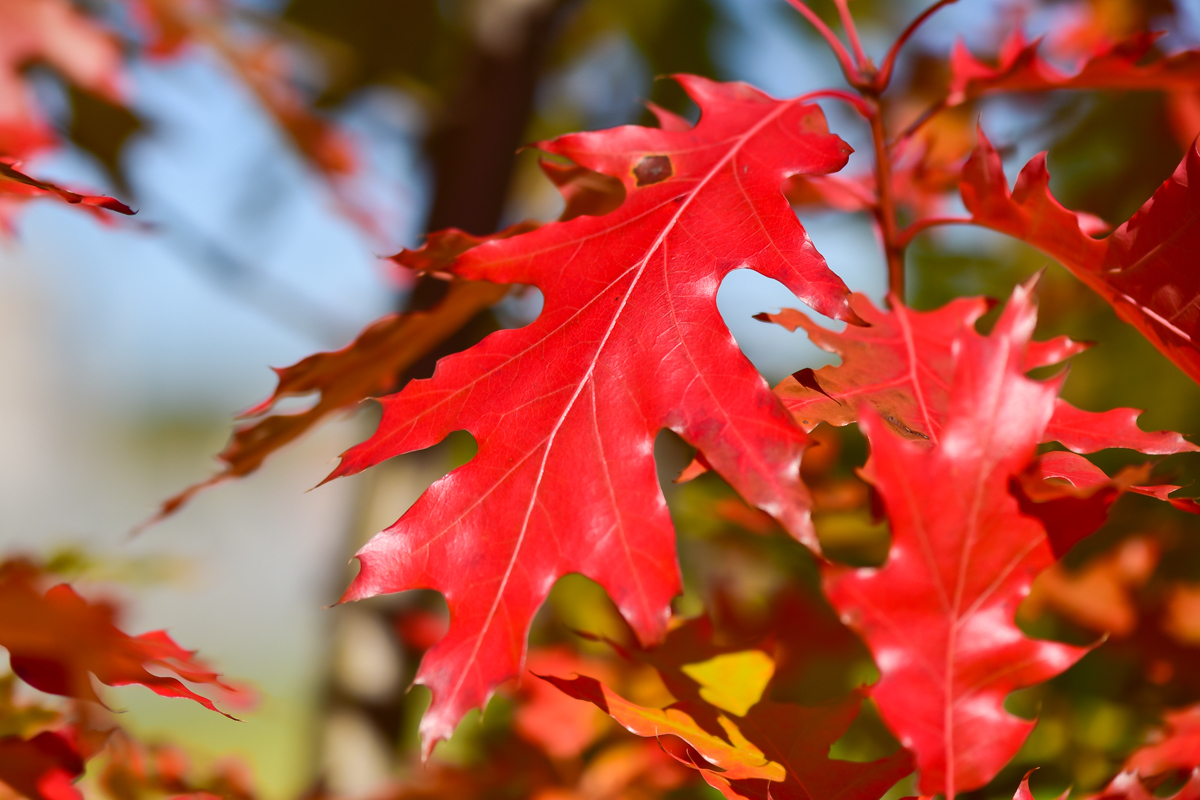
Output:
(565, 411)
(85, 52)
(58, 642)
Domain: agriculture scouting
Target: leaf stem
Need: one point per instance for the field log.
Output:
(885, 212)
(860, 57)
(839, 50)
(889, 62)
(857, 102)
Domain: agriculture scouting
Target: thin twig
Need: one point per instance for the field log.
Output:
(885, 212)
(839, 50)
(889, 62)
(863, 63)
(276, 300)
(857, 102)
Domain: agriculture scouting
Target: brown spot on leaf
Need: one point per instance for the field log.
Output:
(653, 169)
(808, 379)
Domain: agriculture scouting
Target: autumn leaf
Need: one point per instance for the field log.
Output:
(909, 388)
(1071, 496)
(719, 676)
(1143, 268)
(260, 62)
(1113, 66)
(56, 640)
(963, 557)
(773, 750)
(565, 410)
(735, 757)
(17, 188)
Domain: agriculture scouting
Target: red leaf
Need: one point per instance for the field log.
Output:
(963, 556)
(1023, 792)
(1179, 747)
(1100, 595)
(1113, 66)
(16, 188)
(1072, 511)
(909, 387)
(565, 410)
(1129, 786)
(1089, 431)
(56, 639)
(1144, 269)
(546, 717)
(43, 767)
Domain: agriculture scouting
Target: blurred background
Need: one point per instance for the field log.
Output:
(275, 151)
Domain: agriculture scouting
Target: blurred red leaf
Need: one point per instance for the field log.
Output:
(1129, 786)
(56, 639)
(43, 767)
(1113, 65)
(17, 188)
(566, 409)
(1175, 749)
(963, 556)
(548, 718)
(1098, 595)
(1177, 746)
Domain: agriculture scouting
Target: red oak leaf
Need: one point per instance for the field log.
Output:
(56, 639)
(963, 557)
(1144, 269)
(1114, 65)
(1071, 496)
(565, 410)
(909, 388)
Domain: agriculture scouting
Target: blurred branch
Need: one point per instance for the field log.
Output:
(250, 286)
